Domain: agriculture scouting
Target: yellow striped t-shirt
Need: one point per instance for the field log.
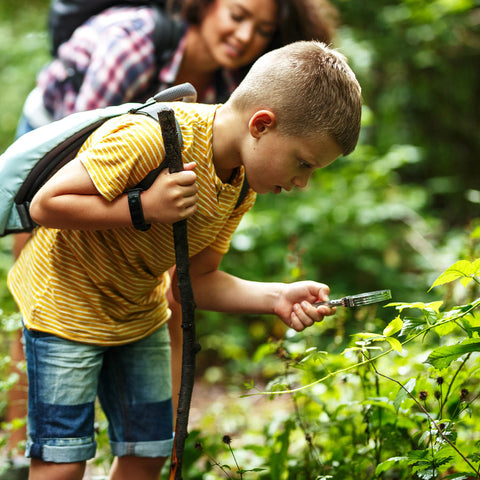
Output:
(107, 287)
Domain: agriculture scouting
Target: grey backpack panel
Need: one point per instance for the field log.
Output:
(34, 157)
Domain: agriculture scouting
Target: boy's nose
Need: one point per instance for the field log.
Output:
(301, 182)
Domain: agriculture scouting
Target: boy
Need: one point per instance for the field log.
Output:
(91, 287)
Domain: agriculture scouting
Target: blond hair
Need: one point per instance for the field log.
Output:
(310, 88)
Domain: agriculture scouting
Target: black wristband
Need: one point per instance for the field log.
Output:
(136, 211)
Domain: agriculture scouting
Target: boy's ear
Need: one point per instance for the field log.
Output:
(260, 122)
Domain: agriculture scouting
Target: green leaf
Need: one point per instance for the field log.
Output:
(457, 270)
(368, 335)
(412, 325)
(387, 464)
(400, 306)
(442, 357)
(445, 328)
(402, 394)
(445, 453)
(393, 327)
(415, 456)
(465, 281)
(410, 385)
(435, 306)
(381, 402)
(394, 343)
(461, 269)
(403, 305)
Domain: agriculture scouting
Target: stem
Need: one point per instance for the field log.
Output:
(315, 454)
(364, 362)
(239, 470)
(431, 447)
(453, 380)
(477, 472)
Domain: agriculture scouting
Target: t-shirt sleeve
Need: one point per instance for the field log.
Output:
(120, 153)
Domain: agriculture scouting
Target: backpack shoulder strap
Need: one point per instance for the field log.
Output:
(152, 107)
(31, 160)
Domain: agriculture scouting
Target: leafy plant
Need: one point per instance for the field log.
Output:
(400, 404)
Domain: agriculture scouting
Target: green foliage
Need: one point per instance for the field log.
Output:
(6, 260)
(23, 52)
(374, 393)
(400, 401)
(418, 64)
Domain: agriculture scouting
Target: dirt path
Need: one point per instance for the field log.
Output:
(215, 410)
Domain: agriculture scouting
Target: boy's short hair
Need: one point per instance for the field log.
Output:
(310, 88)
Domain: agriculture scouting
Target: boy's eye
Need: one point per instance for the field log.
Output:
(303, 164)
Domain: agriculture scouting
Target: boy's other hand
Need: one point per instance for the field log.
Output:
(295, 307)
(172, 196)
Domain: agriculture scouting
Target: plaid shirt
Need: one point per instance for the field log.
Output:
(114, 53)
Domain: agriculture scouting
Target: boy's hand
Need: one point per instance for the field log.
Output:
(172, 196)
(294, 306)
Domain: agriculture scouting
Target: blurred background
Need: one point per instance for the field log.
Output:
(386, 216)
(392, 215)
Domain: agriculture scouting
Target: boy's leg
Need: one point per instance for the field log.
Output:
(135, 393)
(63, 381)
(138, 468)
(40, 470)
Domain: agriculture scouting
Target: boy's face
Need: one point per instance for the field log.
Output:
(277, 162)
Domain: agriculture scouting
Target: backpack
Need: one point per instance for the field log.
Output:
(66, 15)
(34, 157)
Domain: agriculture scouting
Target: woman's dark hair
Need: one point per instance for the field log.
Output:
(297, 19)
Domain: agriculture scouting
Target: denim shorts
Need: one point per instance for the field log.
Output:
(133, 384)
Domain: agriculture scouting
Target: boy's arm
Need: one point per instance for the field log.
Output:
(218, 291)
(70, 200)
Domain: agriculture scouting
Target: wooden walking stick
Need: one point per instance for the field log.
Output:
(173, 155)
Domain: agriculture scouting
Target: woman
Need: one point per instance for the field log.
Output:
(111, 59)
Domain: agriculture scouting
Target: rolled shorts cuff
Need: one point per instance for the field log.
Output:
(159, 448)
(66, 453)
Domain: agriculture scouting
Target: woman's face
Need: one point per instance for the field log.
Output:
(237, 32)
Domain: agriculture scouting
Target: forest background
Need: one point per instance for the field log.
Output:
(379, 392)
